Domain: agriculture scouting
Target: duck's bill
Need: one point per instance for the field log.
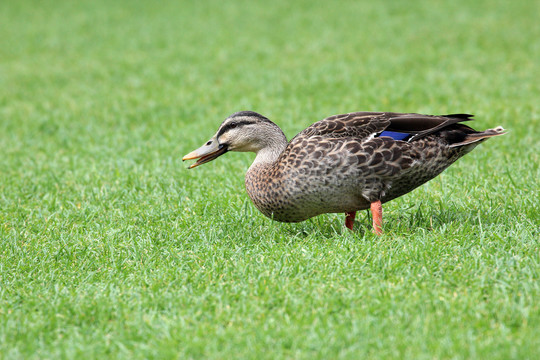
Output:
(206, 153)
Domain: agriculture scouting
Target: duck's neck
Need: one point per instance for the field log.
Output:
(269, 154)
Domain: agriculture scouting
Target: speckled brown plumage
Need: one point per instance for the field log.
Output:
(343, 163)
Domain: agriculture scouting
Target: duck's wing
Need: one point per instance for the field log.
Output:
(367, 125)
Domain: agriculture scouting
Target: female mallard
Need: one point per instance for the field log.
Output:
(343, 163)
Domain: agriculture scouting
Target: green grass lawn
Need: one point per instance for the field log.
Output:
(110, 248)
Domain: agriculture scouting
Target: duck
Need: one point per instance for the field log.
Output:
(342, 164)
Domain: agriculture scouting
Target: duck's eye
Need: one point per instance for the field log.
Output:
(233, 125)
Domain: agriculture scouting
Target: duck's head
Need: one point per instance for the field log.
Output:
(242, 131)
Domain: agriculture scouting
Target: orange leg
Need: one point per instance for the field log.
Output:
(376, 212)
(349, 219)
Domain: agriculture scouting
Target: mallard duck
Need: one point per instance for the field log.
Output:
(343, 163)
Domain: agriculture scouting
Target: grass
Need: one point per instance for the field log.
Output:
(110, 248)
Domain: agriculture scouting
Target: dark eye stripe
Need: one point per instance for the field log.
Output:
(232, 125)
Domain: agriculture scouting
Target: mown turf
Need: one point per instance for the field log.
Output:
(111, 248)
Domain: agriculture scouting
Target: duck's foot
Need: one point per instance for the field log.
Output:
(376, 213)
(349, 219)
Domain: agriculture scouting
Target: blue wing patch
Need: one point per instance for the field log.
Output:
(395, 135)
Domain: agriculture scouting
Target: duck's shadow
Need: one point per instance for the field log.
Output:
(397, 221)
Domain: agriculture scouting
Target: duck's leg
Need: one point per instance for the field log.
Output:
(349, 219)
(376, 213)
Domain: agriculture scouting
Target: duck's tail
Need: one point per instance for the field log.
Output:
(477, 137)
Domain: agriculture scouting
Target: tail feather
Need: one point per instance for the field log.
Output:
(480, 136)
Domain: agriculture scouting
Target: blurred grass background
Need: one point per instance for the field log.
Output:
(111, 248)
